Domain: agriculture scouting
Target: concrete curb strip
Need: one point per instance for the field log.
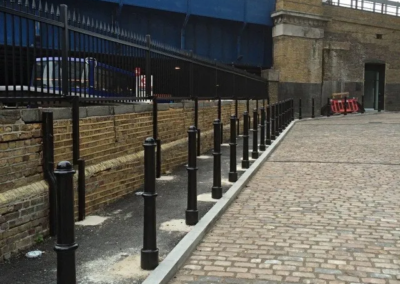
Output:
(177, 257)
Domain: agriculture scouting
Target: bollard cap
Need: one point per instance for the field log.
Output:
(192, 128)
(245, 113)
(255, 110)
(217, 121)
(64, 167)
(149, 141)
(233, 117)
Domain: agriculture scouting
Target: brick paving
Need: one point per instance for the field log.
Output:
(323, 209)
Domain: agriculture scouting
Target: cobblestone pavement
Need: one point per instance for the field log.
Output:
(323, 209)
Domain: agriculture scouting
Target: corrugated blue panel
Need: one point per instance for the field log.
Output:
(210, 37)
(251, 11)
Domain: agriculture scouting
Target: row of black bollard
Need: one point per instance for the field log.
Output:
(254, 153)
(274, 120)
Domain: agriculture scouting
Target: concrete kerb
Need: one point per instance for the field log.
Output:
(341, 116)
(177, 257)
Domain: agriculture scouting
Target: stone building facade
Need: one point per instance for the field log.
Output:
(320, 49)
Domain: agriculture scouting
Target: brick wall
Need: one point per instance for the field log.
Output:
(351, 41)
(322, 49)
(111, 143)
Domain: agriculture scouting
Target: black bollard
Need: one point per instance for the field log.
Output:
(273, 123)
(254, 154)
(328, 108)
(345, 105)
(300, 110)
(245, 160)
(288, 112)
(65, 246)
(149, 252)
(292, 109)
(233, 176)
(192, 214)
(312, 108)
(217, 188)
(277, 120)
(262, 130)
(268, 141)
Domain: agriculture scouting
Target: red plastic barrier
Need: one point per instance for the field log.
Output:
(337, 106)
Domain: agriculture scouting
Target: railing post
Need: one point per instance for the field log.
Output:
(273, 122)
(75, 130)
(196, 124)
(300, 110)
(220, 119)
(233, 176)
(81, 190)
(192, 214)
(292, 109)
(217, 188)
(237, 118)
(254, 153)
(277, 120)
(345, 105)
(245, 159)
(149, 94)
(312, 108)
(287, 112)
(48, 168)
(65, 246)
(262, 130)
(328, 108)
(149, 252)
(280, 117)
(268, 141)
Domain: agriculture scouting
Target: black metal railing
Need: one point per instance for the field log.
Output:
(48, 53)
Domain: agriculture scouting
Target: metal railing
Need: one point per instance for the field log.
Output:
(49, 53)
(376, 6)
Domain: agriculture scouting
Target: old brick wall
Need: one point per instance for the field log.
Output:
(111, 143)
(321, 49)
(351, 41)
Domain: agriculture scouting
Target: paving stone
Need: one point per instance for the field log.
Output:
(322, 209)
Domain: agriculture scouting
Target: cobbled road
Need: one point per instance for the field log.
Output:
(325, 208)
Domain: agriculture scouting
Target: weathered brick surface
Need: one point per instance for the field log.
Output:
(336, 63)
(323, 209)
(112, 147)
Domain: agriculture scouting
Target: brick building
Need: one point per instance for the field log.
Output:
(320, 49)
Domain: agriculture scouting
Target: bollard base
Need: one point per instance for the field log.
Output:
(263, 147)
(192, 217)
(245, 164)
(233, 177)
(268, 142)
(149, 259)
(216, 192)
(254, 155)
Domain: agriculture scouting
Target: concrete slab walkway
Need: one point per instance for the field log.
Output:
(323, 209)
